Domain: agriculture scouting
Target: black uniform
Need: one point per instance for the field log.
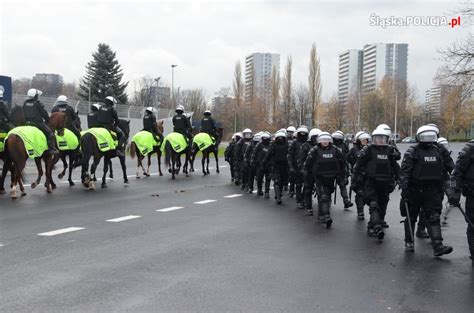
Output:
(241, 169)
(150, 125)
(5, 124)
(324, 164)
(343, 181)
(229, 157)
(359, 191)
(308, 177)
(92, 119)
(108, 118)
(36, 115)
(423, 172)
(380, 171)
(295, 172)
(277, 160)
(258, 155)
(208, 125)
(248, 163)
(71, 117)
(464, 174)
(182, 125)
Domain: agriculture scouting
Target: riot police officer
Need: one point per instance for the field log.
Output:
(381, 171)
(361, 140)
(325, 163)
(295, 173)
(150, 124)
(62, 105)
(422, 178)
(277, 160)
(181, 123)
(36, 115)
(308, 177)
(464, 174)
(208, 125)
(248, 162)
(342, 181)
(258, 155)
(5, 124)
(239, 151)
(108, 118)
(290, 134)
(92, 116)
(229, 154)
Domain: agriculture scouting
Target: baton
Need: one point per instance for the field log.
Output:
(465, 216)
(409, 222)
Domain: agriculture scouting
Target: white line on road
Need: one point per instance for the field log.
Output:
(61, 231)
(173, 208)
(123, 218)
(205, 201)
(234, 195)
(222, 166)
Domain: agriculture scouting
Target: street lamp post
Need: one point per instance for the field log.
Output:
(172, 80)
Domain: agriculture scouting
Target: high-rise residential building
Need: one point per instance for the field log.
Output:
(436, 99)
(350, 74)
(258, 75)
(382, 60)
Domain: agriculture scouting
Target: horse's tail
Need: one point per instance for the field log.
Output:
(87, 147)
(133, 150)
(168, 151)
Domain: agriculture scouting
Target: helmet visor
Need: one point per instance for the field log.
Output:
(429, 136)
(380, 140)
(247, 135)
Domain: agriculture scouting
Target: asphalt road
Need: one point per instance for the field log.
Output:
(228, 254)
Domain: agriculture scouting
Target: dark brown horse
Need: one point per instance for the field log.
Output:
(214, 149)
(90, 150)
(134, 151)
(17, 156)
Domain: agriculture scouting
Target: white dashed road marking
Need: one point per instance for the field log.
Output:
(205, 201)
(60, 231)
(173, 208)
(222, 166)
(234, 195)
(123, 218)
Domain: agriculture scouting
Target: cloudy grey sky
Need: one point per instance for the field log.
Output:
(206, 38)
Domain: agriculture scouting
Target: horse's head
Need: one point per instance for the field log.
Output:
(77, 121)
(125, 127)
(160, 126)
(57, 120)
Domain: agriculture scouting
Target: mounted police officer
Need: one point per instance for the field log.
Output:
(181, 123)
(36, 115)
(295, 173)
(208, 125)
(423, 174)
(380, 173)
(229, 155)
(5, 123)
(325, 163)
(108, 118)
(342, 181)
(62, 105)
(258, 155)
(239, 152)
(361, 140)
(277, 160)
(308, 177)
(150, 124)
(92, 116)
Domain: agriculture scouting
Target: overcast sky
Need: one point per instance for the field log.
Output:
(206, 38)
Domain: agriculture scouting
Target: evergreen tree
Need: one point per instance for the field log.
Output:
(104, 76)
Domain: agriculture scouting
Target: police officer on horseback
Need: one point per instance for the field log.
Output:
(4, 115)
(181, 123)
(92, 116)
(62, 105)
(208, 124)
(36, 115)
(108, 118)
(150, 124)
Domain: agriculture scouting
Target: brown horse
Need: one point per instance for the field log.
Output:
(214, 149)
(17, 156)
(134, 151)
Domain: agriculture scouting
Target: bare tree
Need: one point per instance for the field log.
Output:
(21, 85)
(314, 84)
(302, 104)
(275, 92)
(238, 90)
(287, 90)
(193, 100)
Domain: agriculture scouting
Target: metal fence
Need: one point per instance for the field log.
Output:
(82, 106)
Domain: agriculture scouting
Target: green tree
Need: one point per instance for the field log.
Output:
(104, 76)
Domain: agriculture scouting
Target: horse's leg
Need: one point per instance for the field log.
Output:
(48, 165)
(104, 176)
(216, 155)
(203, 161)
(141, 158)
(158, 156)
(173, 164)
(186, 161)
(72, 158)
(124, 169)
(149, 163)
(39, 167)
(111, 169)
(5, 169)
(65, 165)
(208, 157)
(95, 163)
